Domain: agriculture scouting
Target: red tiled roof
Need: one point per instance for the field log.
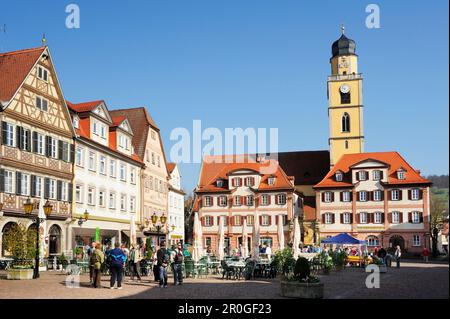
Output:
(393, 159)
(171, 167)
(220, 167)
(14, 67)
(83, 107)
(117, 120)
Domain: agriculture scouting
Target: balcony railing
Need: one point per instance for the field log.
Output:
(341, 77)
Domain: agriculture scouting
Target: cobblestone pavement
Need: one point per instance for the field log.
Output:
(413, 280)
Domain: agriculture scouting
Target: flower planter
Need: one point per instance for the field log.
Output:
(295, 289)
(19, 274)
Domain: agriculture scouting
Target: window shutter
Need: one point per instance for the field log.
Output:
(2, 180)
(253, 181)
(58, 190)
(370, 196)
(242, 220)
(203, 221)
(358, 218)
(60, 150)
(366, 174)
(260, 220)
(47, 188)
(332, 196)
(400, 194)
(48, 141)
(240, 181)
(357, 196)
(357, 176)
(381, 175)
(420, 193)
(323, 218)
(35, 142)
(390, 218)
(410, 217)
(33, 185)
(70, 190)
(382, 217)
(269, 218)
(409, 194)
(28, 141)
(382, 195)
(351, 218)
(323, 197)
(18, 137)
(389, 195)
(18, 182)
(400, 219)
(244, 200)
(342, 218)
(421, 217)
(333, 219)
(269, 199)
(4, 133)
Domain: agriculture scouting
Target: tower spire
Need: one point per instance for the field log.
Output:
(342, 29)
(44, 40)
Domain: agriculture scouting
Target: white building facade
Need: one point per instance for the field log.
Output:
(176, 206)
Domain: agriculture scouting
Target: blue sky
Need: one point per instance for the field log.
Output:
(252, 64)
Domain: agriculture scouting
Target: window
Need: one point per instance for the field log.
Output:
(346, 196)
(38, 186)
(249, 200)
(362, 175)
(415, 194)
(42, 103)
(101, 198)
(8, 182)
(153, 158)
(237, 182)
(123, 202)
(339, 177)
(237, 201)
(372, 241)
(345, 98)
(378, 218)
(416, 240)
(328, 218)
(346, 123)
(90, 196)
(42, 73)
(327, 197)
(8, 131)
(208, 201)
(25, 139)
(123, 172)
(24, 184)
(219, 183)
(347, 218)
(377, 195)
(265, 199)
(65, 152)
(40, 144)
(250, 220)
(132, 204)
(133, 176)
(102, 168)
(64, 191)
(281, 199)
(52, 190)
(91, 161)
(237, 220)
(103, 131)
(363, 218)
(396, 217)
(395, 194)
(363, 196)
(94, 128)
(209, 221)
(222, 201)
(265, 220)
(271, 180)
(112, 168)
(416, 217)
(159, 161)
(153, 135)
(376, 175)
(207, 240)
(78, 193)
(401, 174)
(76, 122)
(249, 181)
(79, 156)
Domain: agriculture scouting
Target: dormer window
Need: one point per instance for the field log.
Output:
(219, 183)
(271, 180)
(401, 174)
(76, 122)
(339, 176)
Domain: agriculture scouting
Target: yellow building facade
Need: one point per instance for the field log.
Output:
(345, 101)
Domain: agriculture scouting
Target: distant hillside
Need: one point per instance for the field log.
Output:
(439, 181)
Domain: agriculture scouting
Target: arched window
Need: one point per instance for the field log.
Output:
(345, 98)
(55, 240)
(346, 123)
(372, 241)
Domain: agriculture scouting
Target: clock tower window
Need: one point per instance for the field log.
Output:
(346, 123)
(345, 98)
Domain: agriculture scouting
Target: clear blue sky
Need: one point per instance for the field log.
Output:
(252, 64)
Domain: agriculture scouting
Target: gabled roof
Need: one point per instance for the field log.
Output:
(393, 159)
(84, 107)
(14, 68)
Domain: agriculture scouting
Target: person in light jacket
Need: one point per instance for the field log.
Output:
(98, 261)
(398, 255)
(135, 262)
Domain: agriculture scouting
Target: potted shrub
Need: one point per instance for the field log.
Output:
(21, 243)
(284, 261)
(301, 284)
(62, 261)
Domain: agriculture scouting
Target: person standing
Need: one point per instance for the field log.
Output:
(99, 259)
(425, 254)
(135, 259)
(382, 253)
(163, 261)
(90, 252)
(398, 255)
(178, 265)
(118, 260)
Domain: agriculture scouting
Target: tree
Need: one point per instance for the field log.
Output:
(21, 243)
(188, 219)
(437, 208)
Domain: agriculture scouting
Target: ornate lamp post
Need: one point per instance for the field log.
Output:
(28, 207)
(161, 224)
(83, 219)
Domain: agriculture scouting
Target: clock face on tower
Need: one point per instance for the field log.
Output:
(345, 88)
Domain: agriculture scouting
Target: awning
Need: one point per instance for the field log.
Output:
(138, 234)
(344, 239)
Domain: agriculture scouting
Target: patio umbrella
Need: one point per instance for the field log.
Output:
(221, 242)
(198, 247)
(256, 238)
(244, 239)
(297, 238)
(280, 232)
(133, 239)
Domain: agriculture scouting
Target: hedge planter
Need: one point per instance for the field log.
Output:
(295, 289)
(19, 274)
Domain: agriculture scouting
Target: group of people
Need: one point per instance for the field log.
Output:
(115, 260)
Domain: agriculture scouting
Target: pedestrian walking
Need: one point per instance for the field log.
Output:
(398, 255)
(425, 254)
(155, 266)
(99, 259)
(118, 260)
(163, 262)
(177, 265)
(90, 252)
(135, 266)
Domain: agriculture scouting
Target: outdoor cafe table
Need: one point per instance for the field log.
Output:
(238, 267)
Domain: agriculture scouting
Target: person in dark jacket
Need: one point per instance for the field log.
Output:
(118, 260)
(178, 265)
(163, 259)
(382, 255)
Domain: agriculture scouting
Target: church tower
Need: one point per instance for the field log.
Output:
(345, 103)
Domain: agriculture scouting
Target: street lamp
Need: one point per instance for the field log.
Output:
(28, 207)
(84, 218)
(162, 220)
